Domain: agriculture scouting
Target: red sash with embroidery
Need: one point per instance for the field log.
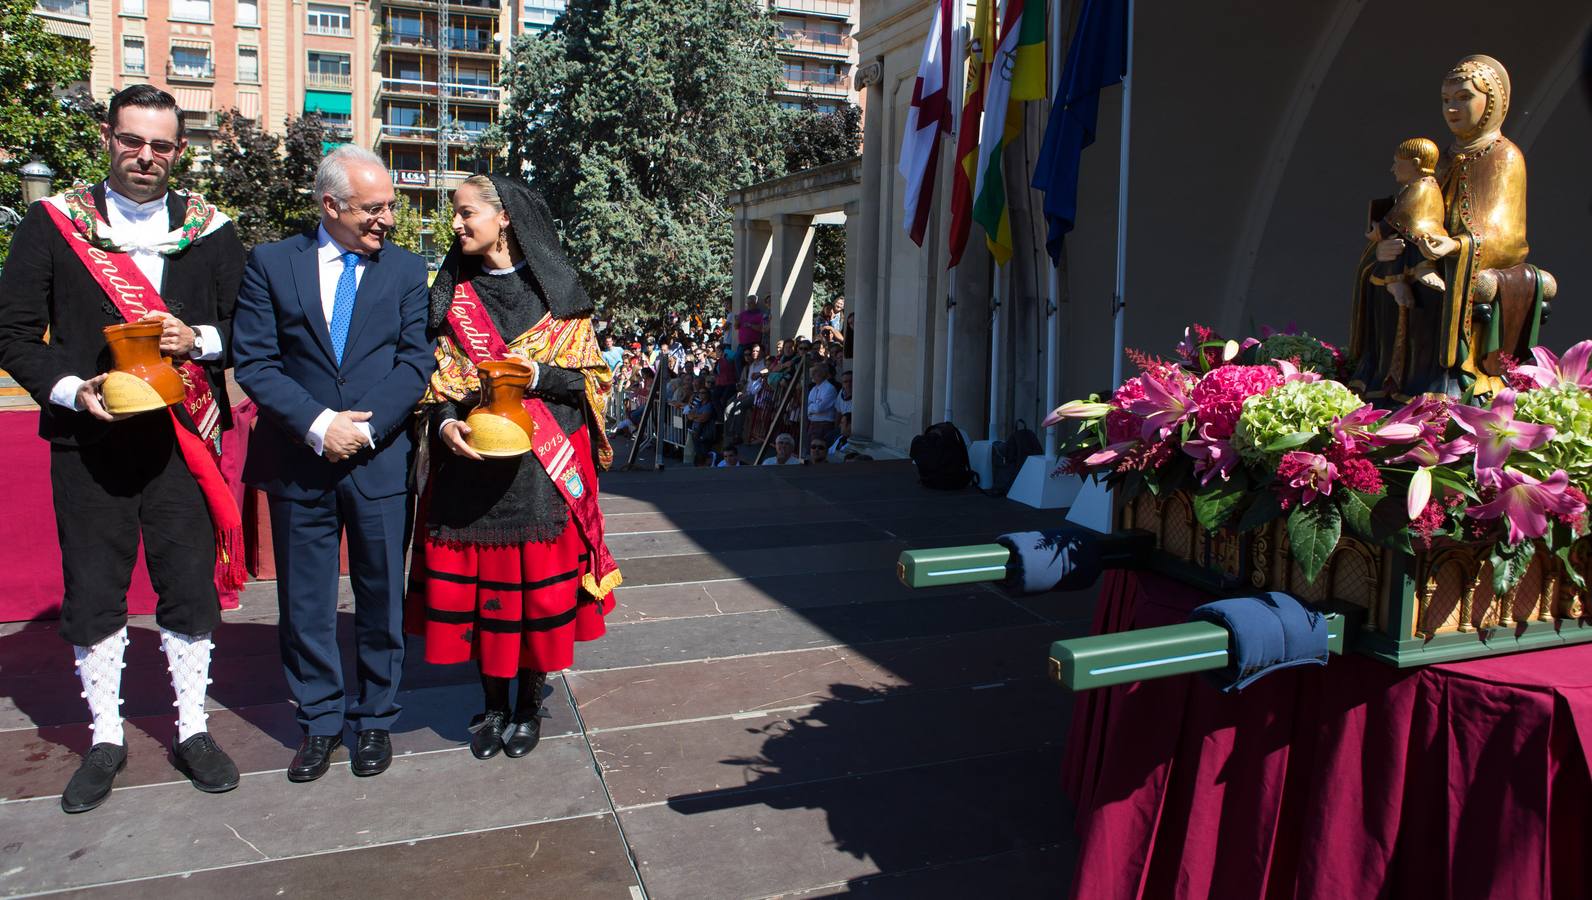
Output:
(130, 290)
(571, 471)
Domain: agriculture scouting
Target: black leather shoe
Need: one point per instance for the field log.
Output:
(92, 781)
(314, 756)
(208, 766)
(522, 735)
(373, 753)
(488, 737)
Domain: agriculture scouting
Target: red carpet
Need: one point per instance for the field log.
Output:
(30, 554)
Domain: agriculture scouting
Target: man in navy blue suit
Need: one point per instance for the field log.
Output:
(330, 341)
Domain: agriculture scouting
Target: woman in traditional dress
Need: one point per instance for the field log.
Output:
(510, 568)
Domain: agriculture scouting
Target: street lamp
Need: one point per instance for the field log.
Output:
(36, 178)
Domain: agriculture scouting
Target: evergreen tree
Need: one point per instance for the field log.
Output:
(37, 116)
(635, 119)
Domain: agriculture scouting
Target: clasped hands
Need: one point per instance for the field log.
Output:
(344, 437)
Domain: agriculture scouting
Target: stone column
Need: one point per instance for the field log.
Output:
(862, 249)
(791, 278)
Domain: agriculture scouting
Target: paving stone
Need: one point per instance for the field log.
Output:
(649, 603)
(572, 859)
(857, 732)
(742, 538)
(1029, 872)
(788, 560)
(38, 762)
(159, 830)
(794, 838)
(620, 698)
(777, 630)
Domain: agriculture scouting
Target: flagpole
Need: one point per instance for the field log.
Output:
(995, 347)
(1119, 299)
(958, 78)
(1058, 29)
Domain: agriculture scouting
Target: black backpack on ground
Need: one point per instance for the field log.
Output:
(941, 458)
(1007, 457)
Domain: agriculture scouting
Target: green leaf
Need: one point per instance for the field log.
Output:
(1313, 532)
(1216, 503)
(1262, 512)
(1510, 562)
(1357, 507)
(1569, 570)
(1451, 479)
(1290, 441)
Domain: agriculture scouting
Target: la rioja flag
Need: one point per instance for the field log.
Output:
(927, 120)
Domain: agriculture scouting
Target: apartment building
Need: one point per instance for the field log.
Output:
(819, 53)
(267, 59)
(536, 16)
(436, 92)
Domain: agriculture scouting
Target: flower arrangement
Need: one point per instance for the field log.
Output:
(1257, 431)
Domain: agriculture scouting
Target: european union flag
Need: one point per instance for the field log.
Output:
(1097, 59)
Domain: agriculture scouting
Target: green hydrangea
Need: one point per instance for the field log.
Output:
(1286, 409)
(1568, 409)
(1312, 356)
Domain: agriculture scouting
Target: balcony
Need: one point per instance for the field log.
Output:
(428, 40)
(410, 87)
(205, 71)
(833, 9)
(328, 31)
(69, 9)
(473, 5)
(329, 81)
(427, 134)
(818, 42)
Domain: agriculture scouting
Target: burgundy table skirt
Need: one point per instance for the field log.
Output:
(1356, 780)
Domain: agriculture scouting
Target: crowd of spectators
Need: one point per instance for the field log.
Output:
(725, 384)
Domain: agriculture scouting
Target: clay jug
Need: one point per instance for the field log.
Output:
(140, 379)
(499, 425)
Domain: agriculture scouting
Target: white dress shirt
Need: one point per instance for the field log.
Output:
(136, 227)
(821, 402)
(329, 259)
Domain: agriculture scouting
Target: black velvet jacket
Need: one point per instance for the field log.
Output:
(45, 286)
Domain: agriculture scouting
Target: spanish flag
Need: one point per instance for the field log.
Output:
(1017, 74)
(965, 173)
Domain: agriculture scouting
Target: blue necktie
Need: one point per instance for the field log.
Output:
(343, 305)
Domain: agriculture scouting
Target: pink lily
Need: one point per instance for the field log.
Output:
(1312, 473)
(1551, 370)
(1498, 432)
(1420, 492)
(1110, 455)
(1431, 453)
(1430, 415)
(1526, 503)
(1290, 372)
(1165, 405)
(1212, 456)
(1076, 409)
(1355, 428)
(1188, 348)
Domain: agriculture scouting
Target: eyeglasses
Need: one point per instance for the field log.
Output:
(373, 210)
(133, 143)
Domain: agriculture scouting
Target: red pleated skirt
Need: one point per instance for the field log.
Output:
(507, 607)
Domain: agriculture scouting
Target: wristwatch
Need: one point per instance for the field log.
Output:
(198, 345)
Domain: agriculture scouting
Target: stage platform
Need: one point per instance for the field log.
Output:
(771, 714)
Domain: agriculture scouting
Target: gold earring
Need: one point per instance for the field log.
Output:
(500, 242)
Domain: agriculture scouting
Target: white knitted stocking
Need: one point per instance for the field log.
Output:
(188, 661)
(100, 669)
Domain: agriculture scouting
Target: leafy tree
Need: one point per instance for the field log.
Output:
(635, 119)
(36, 117)
(814, 138)
(268, 192)
(406, 225)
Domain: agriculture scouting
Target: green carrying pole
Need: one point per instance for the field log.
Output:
(952, 565)
(1086, 663)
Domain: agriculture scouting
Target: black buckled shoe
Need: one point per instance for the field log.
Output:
(93, 780)
(373, 753)
(487, 733)
(204, 762)
(522, 735)
(314, 757)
